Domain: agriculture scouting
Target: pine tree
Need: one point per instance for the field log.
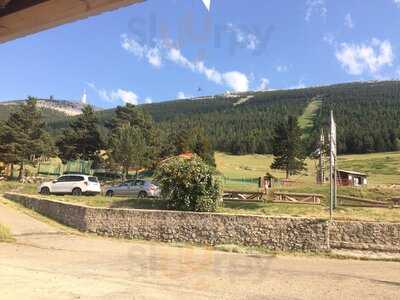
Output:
(202, 147)
(133, 116)
(128, 148)
(288, 148)
(82, 139)
(189, 140)
(183, 140)
(23, 136)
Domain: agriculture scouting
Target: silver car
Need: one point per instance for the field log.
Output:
(139, 188)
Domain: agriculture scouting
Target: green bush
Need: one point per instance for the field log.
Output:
(188, 185)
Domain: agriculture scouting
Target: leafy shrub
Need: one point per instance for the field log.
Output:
(188, 185)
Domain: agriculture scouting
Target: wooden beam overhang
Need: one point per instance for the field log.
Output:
(19, 18)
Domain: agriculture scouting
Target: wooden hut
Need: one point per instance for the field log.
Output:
(351, 178)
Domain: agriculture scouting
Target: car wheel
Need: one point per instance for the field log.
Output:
(142, 195)
(77, 192)
(45, 191)
(109, 193)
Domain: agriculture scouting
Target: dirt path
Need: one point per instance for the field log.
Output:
(47, 263)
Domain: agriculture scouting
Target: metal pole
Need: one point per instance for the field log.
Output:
(335, 188)
(331, 185)
(332, 165)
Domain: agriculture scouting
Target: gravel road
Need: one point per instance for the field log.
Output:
(47, 262)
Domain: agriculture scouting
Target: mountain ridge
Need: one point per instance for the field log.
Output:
(67, 107)
(367, 115)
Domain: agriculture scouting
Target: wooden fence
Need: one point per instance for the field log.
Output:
(361, 202)
(243, 196)
(297, 198)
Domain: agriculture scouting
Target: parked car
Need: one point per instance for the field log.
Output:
(75, 184)
(139, 188)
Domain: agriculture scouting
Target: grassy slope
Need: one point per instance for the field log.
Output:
(383, 168)
(270, 209)
(306, 121)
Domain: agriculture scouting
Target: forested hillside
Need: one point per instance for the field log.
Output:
(367, 114)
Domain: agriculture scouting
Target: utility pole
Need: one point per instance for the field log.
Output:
(333, 155)
(321, 164)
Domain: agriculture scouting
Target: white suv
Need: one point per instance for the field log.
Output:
(75, 184)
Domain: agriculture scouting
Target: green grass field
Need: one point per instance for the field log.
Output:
(306, 121)
(383, 170)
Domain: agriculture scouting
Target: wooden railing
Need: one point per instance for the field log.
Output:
(396, 202)
(297, 198)
(243, 196)
(362, 202)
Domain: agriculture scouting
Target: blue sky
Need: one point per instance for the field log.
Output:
(168, 49)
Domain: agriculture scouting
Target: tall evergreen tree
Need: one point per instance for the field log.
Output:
(128, 148)
(134, 117)
(82, 139)
(288, 148)
(23, 136)
(202, 147)
(189, 140)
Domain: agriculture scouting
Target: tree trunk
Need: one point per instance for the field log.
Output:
(21, 171)
(12, 171)
(125, 173)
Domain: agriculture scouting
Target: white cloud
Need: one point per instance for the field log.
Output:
(238, 81)
(299, 85)
(348, 21)
(264, 85)
(315, 7)
(282, 68)
(154, 57)
(152, 54)
(115, 95)
(125, 96)
(357, 59)
(397, 2)
(245, 38)
(182, 96)
(165, 50)
(148, 100)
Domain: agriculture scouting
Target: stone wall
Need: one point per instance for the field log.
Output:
(64, 213)
(284, 234)
(210, 229)
(372, 236)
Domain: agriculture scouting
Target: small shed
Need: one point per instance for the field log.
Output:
(351, 178)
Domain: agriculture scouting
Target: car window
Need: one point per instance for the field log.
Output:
(93, 179)
(62, 179)
(76, 178)
(140, 182)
